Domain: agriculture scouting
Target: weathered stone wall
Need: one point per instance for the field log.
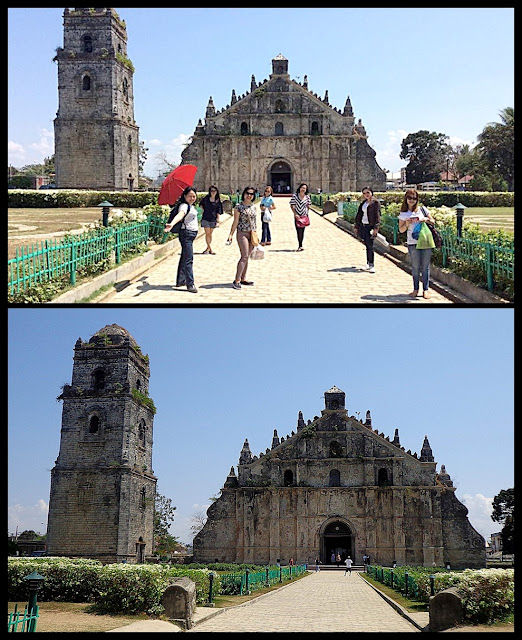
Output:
(404, 524)
(102, 486)
(96, 137)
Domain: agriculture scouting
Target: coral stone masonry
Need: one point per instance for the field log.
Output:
(337, 485)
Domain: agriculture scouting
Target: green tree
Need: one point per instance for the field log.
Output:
(503, 512)
(163, 518)
(427, 154)
(496, 144)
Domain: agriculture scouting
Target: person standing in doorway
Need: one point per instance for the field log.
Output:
(332, 557)
(212, 209)
(367, 223)
(267, 206)
(245, 223)
(348, 562)
(186, 211)
(317, 562)
(300, 204)
(420, 259)
(338, 559)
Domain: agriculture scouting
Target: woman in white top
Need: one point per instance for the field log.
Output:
(420, 258)
(187, 212)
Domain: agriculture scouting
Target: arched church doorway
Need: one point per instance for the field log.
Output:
(337, 538)
(280, 177)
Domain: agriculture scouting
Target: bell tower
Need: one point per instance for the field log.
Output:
(334, 399)
(96, 137)
(102, 485)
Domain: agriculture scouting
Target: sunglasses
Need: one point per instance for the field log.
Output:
(250, 193)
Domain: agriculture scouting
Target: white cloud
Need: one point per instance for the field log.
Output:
(20, 155)
(22, 517)
(388, 155)
(171, 150)
(479, 513)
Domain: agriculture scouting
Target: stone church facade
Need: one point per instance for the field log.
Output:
(337, 484)
(280, 133)
(96, 136)
(102, 486)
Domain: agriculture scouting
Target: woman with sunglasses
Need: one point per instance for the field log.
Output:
(212, 209)
(409, 215)
(245, 223)
(267, 206)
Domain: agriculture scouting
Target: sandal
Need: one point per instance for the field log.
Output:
(426, 294)
(414, 293)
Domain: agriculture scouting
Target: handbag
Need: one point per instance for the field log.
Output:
(437, 238)
(425, 240)
(257, 253)
(267, 216)
(254, 238)
(302, 221)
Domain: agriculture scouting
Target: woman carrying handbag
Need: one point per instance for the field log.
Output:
(300, 203)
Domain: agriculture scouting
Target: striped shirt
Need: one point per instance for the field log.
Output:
(301, 206)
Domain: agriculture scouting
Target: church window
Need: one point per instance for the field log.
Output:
(336, 450)
(382, 478)
(279, 131)
(335, 478)
(94, 424)
(280, 106)
(99, 379)
(125, 89)
(288, 480)
(87, 44)
(143, 498)
(315, 129)
(244, 129)
(142, 432)
(86, 83)
(85, 494)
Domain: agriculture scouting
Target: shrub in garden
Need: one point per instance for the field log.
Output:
(115, 588)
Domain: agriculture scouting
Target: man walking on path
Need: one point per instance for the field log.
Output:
(348, 563)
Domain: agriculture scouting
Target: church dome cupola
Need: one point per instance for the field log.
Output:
(334, 399)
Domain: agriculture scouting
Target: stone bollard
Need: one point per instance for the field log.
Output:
(329, 207)
(445, 610)
(179, 600)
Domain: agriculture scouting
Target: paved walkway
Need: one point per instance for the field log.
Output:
(326, 272)
(326, 601)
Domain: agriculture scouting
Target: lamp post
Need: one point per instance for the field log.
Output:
(459, 210)
(35, 581)
(105, 211)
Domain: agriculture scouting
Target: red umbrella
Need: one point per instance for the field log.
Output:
(175, 183)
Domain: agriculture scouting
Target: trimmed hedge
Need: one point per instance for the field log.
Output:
(487, 594)
(437, 198)
(115, 588)
(69, 198)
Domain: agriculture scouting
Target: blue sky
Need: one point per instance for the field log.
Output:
(219, 376)
(448, 70)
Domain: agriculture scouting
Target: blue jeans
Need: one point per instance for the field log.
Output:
(185, 275)
(420, 266)
(265, 235)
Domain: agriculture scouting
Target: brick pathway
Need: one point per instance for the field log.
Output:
(326, 272)
(325, 601)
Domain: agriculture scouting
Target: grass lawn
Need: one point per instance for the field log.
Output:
(492, 218)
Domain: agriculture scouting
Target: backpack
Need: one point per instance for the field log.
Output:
(173, 213)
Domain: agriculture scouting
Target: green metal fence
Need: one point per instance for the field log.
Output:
(490, 262)
(22, 621)
(238, 584)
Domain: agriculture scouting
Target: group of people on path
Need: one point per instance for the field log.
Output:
(366, 226)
